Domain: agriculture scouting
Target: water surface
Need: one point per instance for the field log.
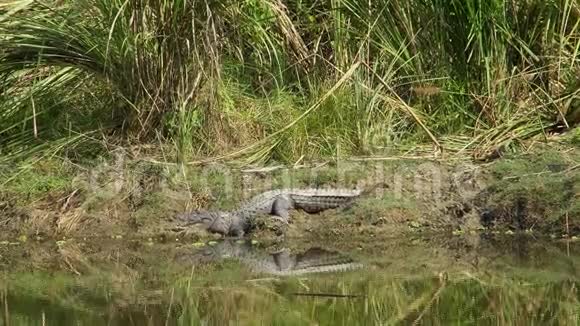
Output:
(437, 280)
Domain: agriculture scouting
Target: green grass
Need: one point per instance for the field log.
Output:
(535, 191)
(30, 183)
(470, 76)
(549, 160)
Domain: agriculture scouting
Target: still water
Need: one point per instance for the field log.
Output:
(436, 280)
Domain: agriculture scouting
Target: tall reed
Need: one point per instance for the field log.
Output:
(215, 77)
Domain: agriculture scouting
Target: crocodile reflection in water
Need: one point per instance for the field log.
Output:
(281, 263)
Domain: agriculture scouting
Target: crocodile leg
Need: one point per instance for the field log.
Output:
(237, 234)
(283, 260)
(281, 207)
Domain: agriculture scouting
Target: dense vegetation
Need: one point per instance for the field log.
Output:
(274, 79)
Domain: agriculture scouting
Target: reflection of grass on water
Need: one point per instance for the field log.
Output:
(384, 301)
(431, 300)
(541, 289)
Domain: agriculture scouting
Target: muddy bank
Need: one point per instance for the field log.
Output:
(127, 196)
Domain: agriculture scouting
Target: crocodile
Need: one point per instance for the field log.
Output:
(275, 203)
(279, 263)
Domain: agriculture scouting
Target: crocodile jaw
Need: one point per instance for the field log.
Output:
(215, 222)
(196, 217)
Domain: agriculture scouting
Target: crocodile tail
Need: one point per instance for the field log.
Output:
(365, 192)
(370, 189)
(323, 199)
(317, 259)
(314, 260)
(330, 268)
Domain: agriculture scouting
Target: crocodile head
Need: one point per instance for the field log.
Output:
(195, 217)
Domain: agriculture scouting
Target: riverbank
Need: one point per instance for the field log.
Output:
(120, 105)
(135, 196)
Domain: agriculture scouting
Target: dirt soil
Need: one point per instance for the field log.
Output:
(129, 197)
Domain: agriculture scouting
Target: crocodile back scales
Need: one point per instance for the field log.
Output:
(274, 202)
(310, 200)
(282, 263)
